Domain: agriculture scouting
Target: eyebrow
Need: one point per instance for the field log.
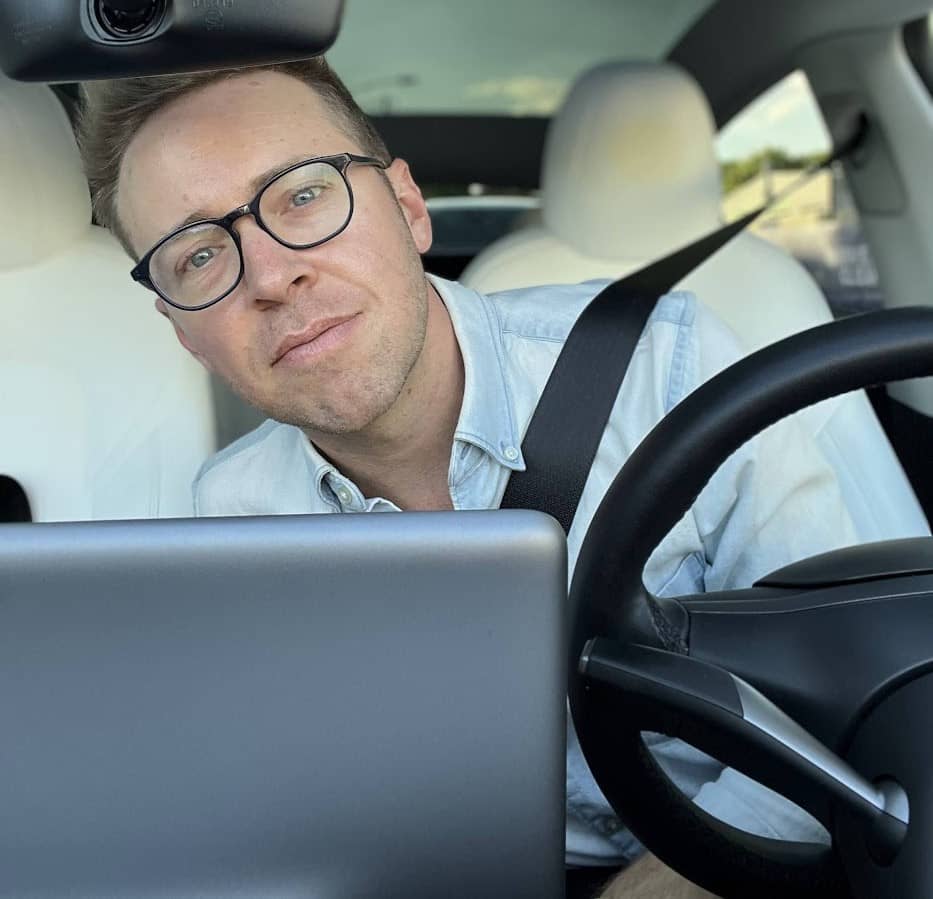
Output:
(254, 185)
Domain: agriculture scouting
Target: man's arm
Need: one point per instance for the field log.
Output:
(773, 502)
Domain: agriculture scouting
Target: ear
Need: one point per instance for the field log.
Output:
(411, 203)
(162, 309)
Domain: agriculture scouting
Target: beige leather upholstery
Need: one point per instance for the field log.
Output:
(629, 175)
(103, 415)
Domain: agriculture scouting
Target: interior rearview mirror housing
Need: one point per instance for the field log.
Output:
(86, 40)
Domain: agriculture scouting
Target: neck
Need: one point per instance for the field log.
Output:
(404, 455)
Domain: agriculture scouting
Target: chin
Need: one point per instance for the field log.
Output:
(342, 402)
(348, 418)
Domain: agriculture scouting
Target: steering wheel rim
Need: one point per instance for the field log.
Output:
(608, 598)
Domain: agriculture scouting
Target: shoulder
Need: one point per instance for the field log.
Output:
(683, 342)
(241, 478)
(549, 312)
(535, 322)
(244, 451)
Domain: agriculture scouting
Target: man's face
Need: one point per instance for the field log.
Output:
(200, 154)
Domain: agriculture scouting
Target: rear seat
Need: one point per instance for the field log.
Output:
(629, 175)
(103, 414)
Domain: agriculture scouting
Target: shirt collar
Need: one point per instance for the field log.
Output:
(487, 414)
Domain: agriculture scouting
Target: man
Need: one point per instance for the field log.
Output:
(387, 389)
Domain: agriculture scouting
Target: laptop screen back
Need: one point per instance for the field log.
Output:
(313, 706)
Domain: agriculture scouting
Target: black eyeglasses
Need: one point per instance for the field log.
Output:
(303, 206)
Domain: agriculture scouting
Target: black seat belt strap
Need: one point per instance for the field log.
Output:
(568, 422)
(564, 433)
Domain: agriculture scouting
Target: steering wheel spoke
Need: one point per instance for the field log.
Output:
(725, 716)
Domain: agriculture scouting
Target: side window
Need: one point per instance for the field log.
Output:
(765, 148)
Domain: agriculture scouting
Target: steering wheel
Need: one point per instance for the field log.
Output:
(815, 682)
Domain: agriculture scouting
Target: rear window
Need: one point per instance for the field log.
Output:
(486, 57)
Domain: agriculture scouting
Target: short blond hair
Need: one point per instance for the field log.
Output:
(112, 112)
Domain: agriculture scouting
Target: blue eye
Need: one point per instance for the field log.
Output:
(200, 258)
(306, 195)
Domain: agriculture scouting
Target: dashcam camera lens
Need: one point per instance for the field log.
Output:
(126, 19)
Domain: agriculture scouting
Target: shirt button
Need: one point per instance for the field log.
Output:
(608, 825)
(511, 453)
(344, 495)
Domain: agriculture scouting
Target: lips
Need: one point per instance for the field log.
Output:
(309, 335)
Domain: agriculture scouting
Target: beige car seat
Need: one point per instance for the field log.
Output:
(103, 415)
(629, 175)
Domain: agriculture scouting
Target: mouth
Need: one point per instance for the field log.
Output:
(318, 338)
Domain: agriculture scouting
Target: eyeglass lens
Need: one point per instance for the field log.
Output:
(201, 263)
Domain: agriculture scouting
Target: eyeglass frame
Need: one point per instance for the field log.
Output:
(341, 162)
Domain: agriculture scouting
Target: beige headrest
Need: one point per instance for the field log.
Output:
(629, 165)
(45, 201)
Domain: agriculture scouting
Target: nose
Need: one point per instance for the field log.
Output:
(272, 272)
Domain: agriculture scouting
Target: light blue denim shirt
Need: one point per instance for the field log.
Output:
(772, 502)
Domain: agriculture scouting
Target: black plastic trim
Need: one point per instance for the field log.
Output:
(14, 504)
(857, 564)
(499, 151)
(919, 46)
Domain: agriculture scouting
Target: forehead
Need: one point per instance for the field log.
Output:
(202, 151)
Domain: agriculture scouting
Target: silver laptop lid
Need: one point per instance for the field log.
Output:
(313, 706)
